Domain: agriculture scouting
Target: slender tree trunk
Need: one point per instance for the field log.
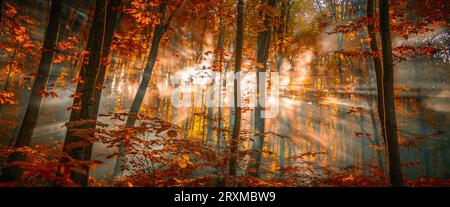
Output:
(101, 80)
(237, 99)
(219, 109)
(35, 100)
(219, 58)
(203, 117)
(116, 99)
(378, 77)
(285, 12)
(98, 45)
(11, 66)
(376, 62)
(376, 137)
(109, 93)
(159, 31)
(262, 52)
(222, 141)
(281, 29)
(210, 115)
(395, 171)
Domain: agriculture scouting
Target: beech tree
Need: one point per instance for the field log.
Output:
(237, 91)
(262, 53)
(390, 121)
(83, 118)
(35, 101)
(159, 31)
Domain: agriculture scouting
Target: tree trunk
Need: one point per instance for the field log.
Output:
(237, 99)
(11, 66)
(377, 139)
(395, 171)
(219, 47)
(376, 62)
(98, 45)
(220, 83)
(35, 100)
(261, 60)
(159, 31)
(101, 82)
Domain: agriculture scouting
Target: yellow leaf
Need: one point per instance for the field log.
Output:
(182, 163)
(186, 157)
(273, 167)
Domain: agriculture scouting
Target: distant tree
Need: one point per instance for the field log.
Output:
(262, 54)
(237, 69)
(376, 60)
(158, 33)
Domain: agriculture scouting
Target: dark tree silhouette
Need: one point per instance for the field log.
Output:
(390, 128)
(158, 33)
(98, 45)
(35, 101)
(237, 69)
(262, 53)
(376, 62)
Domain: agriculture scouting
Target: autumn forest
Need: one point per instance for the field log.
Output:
(224, 93)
